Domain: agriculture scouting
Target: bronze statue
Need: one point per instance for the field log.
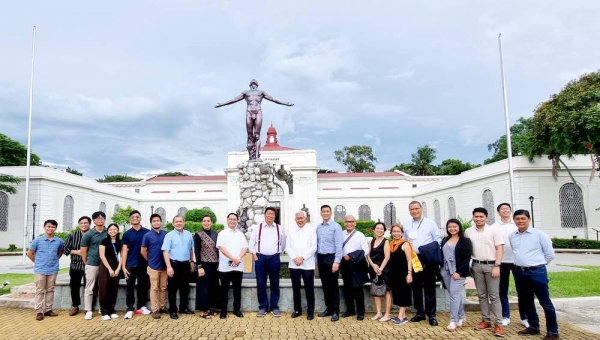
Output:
(254, 117)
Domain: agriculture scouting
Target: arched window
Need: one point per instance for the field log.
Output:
(488, 203)
(339, 213)
(163, 215)
(3, 211)
(437, 212)
(424, 207)
(364, 212)
(182, 211)
(102, 207)
(116, 208)
(68, 206)
(206, 208)
(451, 208)
(389, 214)
(571, 206)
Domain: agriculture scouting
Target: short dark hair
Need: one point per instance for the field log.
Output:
(98, 214)
(380, 223)
(522, 212)
(53, 222)
(234, 214)
(207, 215)
(325, 206)
(155, 215)
(135, 212)
(182, 218)
(501, 204)
(85, 218)
(271, 209)
(415, 202)
(480, 210)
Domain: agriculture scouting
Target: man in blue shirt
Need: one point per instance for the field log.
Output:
(135, 268)
(178, 250)
(533, 251)
(329, 256)
(157, 269)
(45, 252)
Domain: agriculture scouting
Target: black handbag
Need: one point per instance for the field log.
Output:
(378, 287)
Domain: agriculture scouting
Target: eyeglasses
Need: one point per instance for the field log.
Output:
(349, 221)
(135, 217)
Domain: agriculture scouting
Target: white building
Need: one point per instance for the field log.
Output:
(377, 196)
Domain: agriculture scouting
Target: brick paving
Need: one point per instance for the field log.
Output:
(16, 324)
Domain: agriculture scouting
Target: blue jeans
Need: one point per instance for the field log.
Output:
(505, 270)
(267, 265)
(530, 283)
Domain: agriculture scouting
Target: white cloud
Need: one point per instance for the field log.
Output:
(401, 74)
(375, 138)
(473, 135)
(375, 109)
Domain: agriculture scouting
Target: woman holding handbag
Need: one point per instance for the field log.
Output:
(400, 273)
(378, 258)
(456, 250)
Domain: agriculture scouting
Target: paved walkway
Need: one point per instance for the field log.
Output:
(21, 324)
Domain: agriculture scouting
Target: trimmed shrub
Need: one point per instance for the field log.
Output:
(576, 243)
(365, 227)
(193, 227)
(195, 215)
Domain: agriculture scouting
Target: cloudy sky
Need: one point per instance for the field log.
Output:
(129, 87)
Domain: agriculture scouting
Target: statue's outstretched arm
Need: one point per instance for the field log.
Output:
(267, 97)
(234, 100)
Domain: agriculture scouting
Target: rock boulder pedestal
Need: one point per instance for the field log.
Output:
(256, 182)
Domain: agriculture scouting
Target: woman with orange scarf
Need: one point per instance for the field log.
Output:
(400, 275)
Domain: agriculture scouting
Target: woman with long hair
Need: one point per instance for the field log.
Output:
(207, 257)
(457, 250)
(400, 273)
(378, 259)
(109, 272)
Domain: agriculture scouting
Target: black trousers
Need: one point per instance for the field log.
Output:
(108, 288)
(308, 276)
(179, 282)
(329, 281)
(233, 278)
(139, 274)
(76, 277)
(352, 293)
(424, 282)
(207, 287)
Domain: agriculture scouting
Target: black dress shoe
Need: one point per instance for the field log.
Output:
(529, 331)
(335, 317)
(324, 314)
(347, 314)
(433, 321)
(163, 311)
(360, 317)
(239, 314)
(418, 318)
(223, 316)
(186, 311)
(296, 314)
(310, 316)
(174, 316)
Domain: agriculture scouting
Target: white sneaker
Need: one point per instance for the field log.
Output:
(451, 327)
(114, 316)
(100, 311)
(505, 321)
(525, 323)
(129, 315)
(461, 322)
(145, 310)
(105, 317)
(88, 315)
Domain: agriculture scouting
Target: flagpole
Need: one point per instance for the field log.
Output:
(508, 135)
(26, 206)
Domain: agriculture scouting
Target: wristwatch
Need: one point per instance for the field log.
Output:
(496, 264)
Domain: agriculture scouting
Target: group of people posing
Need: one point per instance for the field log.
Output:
(403, 270)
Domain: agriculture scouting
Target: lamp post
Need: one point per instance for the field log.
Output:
(152, 209)
(531, 198)
(33, 231)
(391, 206)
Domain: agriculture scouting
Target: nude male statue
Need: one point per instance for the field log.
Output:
(254, 117)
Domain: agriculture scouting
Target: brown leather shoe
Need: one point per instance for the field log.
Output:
(39, 316)
(551, 337)
(74, 311)
(50, 313)
(156, 315)
(529, 331)
(498, 331)
(483, 325)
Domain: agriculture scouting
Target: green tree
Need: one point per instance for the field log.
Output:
(422, 161)
(196, 215)
(454, 167)
(73, 171)
(4, 179)
(173, 174)
(327, 171)
(13, 153)
(356, 158)
(520, 133)
(407, 168)
(118, 178)
(121, 216)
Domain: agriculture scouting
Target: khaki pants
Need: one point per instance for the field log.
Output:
(158, 289)
(44, 292)
(91, 275)
(488, 292)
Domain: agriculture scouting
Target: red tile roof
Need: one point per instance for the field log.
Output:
(189, 178)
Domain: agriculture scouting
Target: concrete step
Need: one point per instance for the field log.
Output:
(23, 289)
(17, 301)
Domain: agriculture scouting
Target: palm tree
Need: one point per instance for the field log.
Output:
(422, 160)
(8, 179)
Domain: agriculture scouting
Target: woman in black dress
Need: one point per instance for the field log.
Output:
(207, 256)
(378, 258)
(400, 274)
(109, 271)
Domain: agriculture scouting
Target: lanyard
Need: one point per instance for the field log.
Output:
(115, 249)
(419, 226)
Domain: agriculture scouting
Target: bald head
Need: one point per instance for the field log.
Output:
(350, 223)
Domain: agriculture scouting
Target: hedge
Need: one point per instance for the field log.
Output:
(196, 215)
(364, 226)
(575, 243)
(193, 227)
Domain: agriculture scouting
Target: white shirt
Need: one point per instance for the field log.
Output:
(234, 241)
(302, 242)
(507, 229)
(357, 242)
(270, 244)
(426, 231)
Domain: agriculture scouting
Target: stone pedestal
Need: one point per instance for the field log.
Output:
(256, 180)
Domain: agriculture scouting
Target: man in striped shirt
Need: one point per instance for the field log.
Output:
(77, 268)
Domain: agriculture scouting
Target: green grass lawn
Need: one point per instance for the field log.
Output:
(571, 284)
(18, 250)
(19, 279)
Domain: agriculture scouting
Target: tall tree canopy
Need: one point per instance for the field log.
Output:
(520, 133)
(422, 164)
(13, 153)
(118, 178)
(422, 160)
(6, 181)
(356, 158)
(173, 174)
(73, 171)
